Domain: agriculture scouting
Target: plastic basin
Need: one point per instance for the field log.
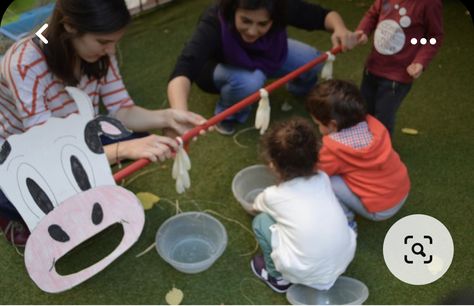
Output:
(346, 291)
(191, 242)
(251, 181)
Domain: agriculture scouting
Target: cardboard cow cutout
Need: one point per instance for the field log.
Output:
(58, 178)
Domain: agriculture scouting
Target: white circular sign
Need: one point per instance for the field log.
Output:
(405, 21)
(418, 249)
(389, 37)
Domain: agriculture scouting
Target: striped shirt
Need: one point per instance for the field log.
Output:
(356, 137)
(30, 93)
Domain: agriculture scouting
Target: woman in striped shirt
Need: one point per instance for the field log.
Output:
(82, 37)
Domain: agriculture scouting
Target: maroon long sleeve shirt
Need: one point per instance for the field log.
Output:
(394, 24)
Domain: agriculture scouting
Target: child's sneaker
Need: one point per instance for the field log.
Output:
(15, 232)
(278, 284)
(226, 127)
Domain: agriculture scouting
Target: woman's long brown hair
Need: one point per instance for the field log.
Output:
(84, 16)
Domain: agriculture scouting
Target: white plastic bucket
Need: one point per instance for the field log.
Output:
(345, 291)
(191, 242)
(251, 181)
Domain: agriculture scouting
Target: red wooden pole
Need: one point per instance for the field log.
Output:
(139, 164)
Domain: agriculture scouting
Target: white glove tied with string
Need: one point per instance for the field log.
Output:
(326, 73)
(262, 118)
(181, 166)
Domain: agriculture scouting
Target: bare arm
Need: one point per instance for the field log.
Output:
(139, 119)
(341, 35)
(334, 22)
(152, 147)
(178, 92)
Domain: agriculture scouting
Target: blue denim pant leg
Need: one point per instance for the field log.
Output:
(299, 54)
(351, 202)
(234, 85)
(261, 227)
(383, 97)
(7, 210)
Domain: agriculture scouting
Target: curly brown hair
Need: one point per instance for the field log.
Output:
(336, 100)
(292, 146)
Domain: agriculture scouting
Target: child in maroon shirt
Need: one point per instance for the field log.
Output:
(407, 35)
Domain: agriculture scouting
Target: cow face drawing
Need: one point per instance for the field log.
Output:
(58, 178)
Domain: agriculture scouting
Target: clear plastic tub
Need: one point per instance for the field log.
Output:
(346, 291)
(191, 242)
(251, 181)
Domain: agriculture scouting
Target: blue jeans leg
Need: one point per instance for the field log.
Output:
(7, 210)
(352, 202)
(261, 227)
(234, 85)
(383, 98)
(298, 55)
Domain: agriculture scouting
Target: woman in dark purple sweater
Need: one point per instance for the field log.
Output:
(238, 44)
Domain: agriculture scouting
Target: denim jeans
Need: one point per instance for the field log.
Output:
(9, 211)
(261, 227)
(351, 203)
(383, 97)
(235, 84)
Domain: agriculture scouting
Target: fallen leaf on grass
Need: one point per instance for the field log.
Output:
(147, 199)
(286, 107)
(174, 296)
(409, 131)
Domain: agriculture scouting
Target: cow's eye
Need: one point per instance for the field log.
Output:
(97, 214)
(39, 196)
(57, 233)
(80, 175)
(78, 168)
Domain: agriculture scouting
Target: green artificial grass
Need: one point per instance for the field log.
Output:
(440, 161)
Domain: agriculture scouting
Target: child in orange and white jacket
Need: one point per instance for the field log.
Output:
(366, 173)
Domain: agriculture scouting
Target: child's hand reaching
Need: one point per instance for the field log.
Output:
(361, 37)
(415, 70)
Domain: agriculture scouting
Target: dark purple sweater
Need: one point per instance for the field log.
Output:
(204, 50)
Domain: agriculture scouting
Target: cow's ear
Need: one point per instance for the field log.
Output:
(103, 125)
(5, 151)
(112, 127)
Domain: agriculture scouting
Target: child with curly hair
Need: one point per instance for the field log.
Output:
(301, 228)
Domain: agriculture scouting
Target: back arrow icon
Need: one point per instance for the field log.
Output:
(39, 33)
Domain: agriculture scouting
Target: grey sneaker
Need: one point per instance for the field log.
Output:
(226, 127)
(278, 284)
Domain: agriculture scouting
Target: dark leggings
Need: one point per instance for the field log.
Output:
(383, 97)
(7, 210)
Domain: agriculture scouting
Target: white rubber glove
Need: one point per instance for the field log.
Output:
(181, 166)
(262, 118)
